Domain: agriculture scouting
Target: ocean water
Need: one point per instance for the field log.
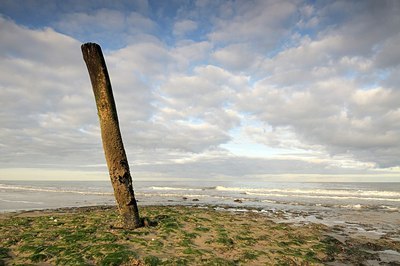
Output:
(28, 195)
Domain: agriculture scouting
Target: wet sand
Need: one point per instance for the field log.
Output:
(195, 235)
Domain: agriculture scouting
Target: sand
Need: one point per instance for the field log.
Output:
(178, 235)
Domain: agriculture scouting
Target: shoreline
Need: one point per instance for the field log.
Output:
(237, 228)
(369, 223)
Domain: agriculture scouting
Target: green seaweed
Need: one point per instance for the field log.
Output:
(118, 257)
(220, 262)
(156, 244)
(250, 255)
(177, 262)
(191, 251)
(186, 242)
(152, 261)
(106, 237)
(225, 240)
(71, 258)
(311, 256)
(4, 253)
(248, 241)
(38, 257)
(190, 235)
(75, 237)
(332, 247)
(201, 228)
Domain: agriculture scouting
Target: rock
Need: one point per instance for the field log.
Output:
(195, 200)
(238, 201)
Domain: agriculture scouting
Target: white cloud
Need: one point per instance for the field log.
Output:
(15, 46)
(222, 166)
(110, 26)
(205, 95)
(187, 53)
(41, 70)
(335, 89)
(239, 57)
(55, 109)
(146, 59)
(388, 54)
(263, 23)
(183, 27)
(334, 114)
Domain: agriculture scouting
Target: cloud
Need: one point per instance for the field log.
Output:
(176, 136)
(388, 56)
(15, 46)
(314, 83)
(187, 53)
(360, 26)
(113, 27)
(54, 122)
(146, 59)
(262, 23)
(216, 166)
(47, 99)
(184, 26)
(334, 113)
(205, 96)
(50, 117)
(237, 57)
(190, 113)
(336, 89)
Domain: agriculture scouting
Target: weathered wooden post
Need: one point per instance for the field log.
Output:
(117, 161)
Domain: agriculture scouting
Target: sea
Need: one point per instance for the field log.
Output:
(28, 195)
(365, 207)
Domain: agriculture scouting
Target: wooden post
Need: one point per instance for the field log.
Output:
(117, 161)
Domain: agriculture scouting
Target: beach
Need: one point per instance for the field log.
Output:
(183, 235)
(195, 223)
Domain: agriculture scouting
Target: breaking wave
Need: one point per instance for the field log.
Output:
(316, 193)
(54, 190)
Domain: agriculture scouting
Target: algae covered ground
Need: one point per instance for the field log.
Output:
(174, 235)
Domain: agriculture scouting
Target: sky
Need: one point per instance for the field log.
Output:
(205, 89)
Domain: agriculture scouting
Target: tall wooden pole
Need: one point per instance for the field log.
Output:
(110, 133)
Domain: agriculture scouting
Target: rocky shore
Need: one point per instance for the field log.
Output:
(178, 235)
